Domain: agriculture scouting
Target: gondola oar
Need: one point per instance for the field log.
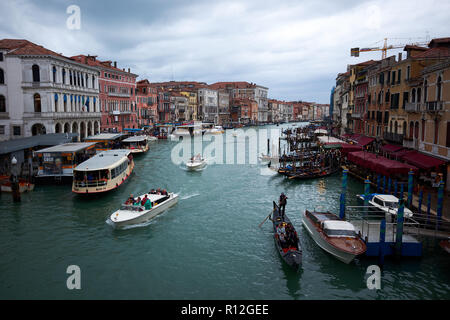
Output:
(260, 225)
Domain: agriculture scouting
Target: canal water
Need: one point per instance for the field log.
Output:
(208, 246)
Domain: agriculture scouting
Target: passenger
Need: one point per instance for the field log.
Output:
(148, 204)
(130, 200)
(138, 202)
(144, 200)
(153, 191)
(164, 192)
(158, 191)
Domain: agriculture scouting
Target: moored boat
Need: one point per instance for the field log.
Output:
(335, 236)
(385, 203)
(24, 186)
(136, 144)
(307, 174)
(130, 214)
(286, 239)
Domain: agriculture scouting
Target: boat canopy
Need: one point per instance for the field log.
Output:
(135, 139)
(103, 160)
(380, 164)
(338, 225)
(104, 136)
(68, 147)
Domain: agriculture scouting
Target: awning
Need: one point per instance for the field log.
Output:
(422, 161)
(363, 140)
(379, 164)
(389, 148)
(346, 148)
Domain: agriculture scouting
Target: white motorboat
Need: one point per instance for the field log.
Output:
(130, 214)
(386, 203)
(335, 236)
(195, 163)
(215, 130)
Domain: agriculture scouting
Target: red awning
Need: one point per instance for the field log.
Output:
(390, 148)
(380, 164)
(346, 148)
(421, 160)
(363, 140)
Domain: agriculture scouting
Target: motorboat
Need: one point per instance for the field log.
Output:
(136, 144)
(386, 203)
(335, 236)
(289, 250)
(24, 185)
(195, 163)
(130, 214)
(215, 130)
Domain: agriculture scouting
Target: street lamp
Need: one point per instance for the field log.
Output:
(14, 181)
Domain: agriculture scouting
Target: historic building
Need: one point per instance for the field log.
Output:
(42, 92)
(147, 103)
(208, 105)
(117, 94)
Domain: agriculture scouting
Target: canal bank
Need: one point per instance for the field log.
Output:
(208, 246)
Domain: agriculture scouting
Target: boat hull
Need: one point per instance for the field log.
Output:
(195, 166)
(147, 215)
(343, 256)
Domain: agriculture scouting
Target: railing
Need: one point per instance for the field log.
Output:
(412, 106)
(393, 137)
(433, 106)
(90, 184)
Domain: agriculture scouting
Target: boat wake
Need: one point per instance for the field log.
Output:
(188, 196)
(131, 226)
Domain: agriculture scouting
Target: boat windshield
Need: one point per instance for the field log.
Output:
(131, 207)
(340, 233)
(391, 204)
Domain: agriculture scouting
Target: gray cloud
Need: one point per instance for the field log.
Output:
(295, 48)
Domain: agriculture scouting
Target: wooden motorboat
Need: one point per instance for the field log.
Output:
(335, 236)
(290, 250)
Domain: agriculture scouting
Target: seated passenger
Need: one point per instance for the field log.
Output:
(138, 202)
(164, 192)
(153, 191)
(148, 204)
(158, 191)
(144, 200)
(130, 200)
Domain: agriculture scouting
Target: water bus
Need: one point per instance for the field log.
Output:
(104, 172)
(136, 144)
(106, 141)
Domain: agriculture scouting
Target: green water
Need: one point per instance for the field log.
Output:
(208, 246)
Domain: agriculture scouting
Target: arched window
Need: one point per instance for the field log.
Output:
(395, 127)
(439, 89)
(93, 81)
(2, 104)
(404, 128)
(416, 130)
(37, 102)
(65, 103)
(82, 80)
(419, 95)
(70, 76)
(2, 77)
(87, 77)
(54, 74)
(411, 129)
(423, 129)
(63, 73)
(36, 73)
(425, 91)
(413, 95)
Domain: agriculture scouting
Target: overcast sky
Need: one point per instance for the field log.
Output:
(295, 48)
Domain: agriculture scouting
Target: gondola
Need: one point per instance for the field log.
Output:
(292, 255)
(312, 174)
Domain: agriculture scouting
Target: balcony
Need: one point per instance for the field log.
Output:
(119, 94)
(412, 107)
(393, 137)
(434, 106)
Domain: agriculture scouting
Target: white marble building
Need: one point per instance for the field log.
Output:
(208, 105)
(45, 92)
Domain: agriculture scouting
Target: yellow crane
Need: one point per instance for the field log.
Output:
(354, 52)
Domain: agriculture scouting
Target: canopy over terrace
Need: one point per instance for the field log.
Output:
(422, 161)
(380, 165)
(329, 140)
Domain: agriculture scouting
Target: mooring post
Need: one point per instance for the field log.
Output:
(420, 199)
(344, 190)
(395, 187)
(401, 191)
(410, 187)
(440, 201)
(381, 242)
(384, 184)
(378, 183)
(268, 146)
(389, 185)
(399, 232)
(428, 207)
(366, 193)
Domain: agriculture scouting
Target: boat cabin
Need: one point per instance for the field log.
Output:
(60, 160)
(103, 172)
(338, 228)
(106, 141)
(136, 144)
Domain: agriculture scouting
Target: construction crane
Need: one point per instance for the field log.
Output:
(354, 52)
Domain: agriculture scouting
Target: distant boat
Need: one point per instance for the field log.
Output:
(335, 236)
(24, 186)
(291, 253)
(195, 163)
(130, 214)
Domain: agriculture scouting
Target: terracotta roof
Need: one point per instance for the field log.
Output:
(436, 52)
(439, 41)
(25, 47)
(232, 84)
(92, 61)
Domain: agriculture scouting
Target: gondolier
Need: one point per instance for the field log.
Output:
(282, 204)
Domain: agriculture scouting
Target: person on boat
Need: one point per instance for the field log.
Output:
(153, 191)
(130, 200)
(282, 238)
(144, 200)
(282, 204)
(164, 192)
(158, 191)
(138, 202)
(148, 204)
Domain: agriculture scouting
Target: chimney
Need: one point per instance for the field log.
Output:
(399, 56)
(115, 64)
(128, 70)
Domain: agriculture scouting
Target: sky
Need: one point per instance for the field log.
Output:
(295, 48)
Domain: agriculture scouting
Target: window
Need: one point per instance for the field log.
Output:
(2, 130)
(439, 89)
(36, 73)
(37, 102)
(54, 74)
(2, 77)
(405, 99)
(16, 130)
(393, 77)
(436, 131)
(423, 129)
(408, 72)
(70, 75)
(2, 104)
(1, 56)
(411, 129)
(63, 73)
(419, 95)
(399, 78)
(416, 130)
(425, 92)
